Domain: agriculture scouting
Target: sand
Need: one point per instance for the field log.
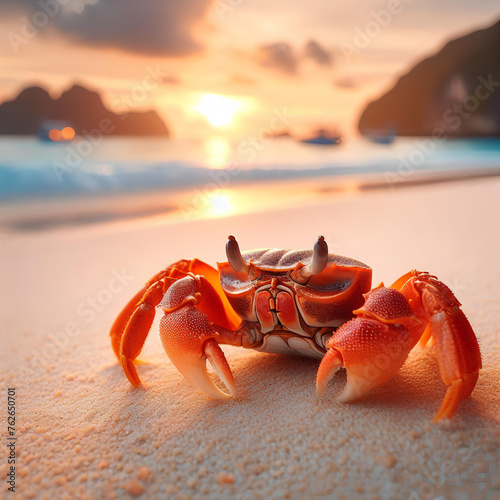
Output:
(84, 432)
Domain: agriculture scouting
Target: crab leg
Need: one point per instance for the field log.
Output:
(459, 367)
(458, 353)
(137, 330)
(120, 323)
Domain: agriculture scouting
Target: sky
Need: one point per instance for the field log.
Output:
(229, 67)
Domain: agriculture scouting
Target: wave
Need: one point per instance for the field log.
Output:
(36, 176)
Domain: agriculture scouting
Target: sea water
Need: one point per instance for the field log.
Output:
(30, 168)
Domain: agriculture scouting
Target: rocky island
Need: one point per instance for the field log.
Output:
(81, 108)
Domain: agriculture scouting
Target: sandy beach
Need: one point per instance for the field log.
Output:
(83, 431)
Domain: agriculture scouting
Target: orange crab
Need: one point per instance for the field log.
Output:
(306, 302)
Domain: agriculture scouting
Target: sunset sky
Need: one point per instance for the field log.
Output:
(225, 66)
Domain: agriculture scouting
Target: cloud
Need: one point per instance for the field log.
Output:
(10, 6)
(242, 79)
(51, 7)
(318, 53)
(346, 83)
(279, 56)
(156, 27)
(171, 80)
(354, 81)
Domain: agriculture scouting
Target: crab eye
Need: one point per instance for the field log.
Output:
(237, 262)
(302, 273)
(234, 256)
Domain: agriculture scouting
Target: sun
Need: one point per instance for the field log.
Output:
(219, 110)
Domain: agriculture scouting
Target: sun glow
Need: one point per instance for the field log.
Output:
(219, 110)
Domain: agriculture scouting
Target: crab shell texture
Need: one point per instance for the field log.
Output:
(288, 316)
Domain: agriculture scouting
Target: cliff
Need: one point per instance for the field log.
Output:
(456, 90)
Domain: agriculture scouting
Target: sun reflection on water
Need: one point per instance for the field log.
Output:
(217, 150)
(220, 205)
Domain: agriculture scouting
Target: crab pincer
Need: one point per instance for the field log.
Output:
(189, 337)
(374, 345)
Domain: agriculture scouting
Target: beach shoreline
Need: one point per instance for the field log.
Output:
(201, 201)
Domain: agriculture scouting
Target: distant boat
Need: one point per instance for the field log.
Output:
(56, 131)
(323, 138)
(382, 137)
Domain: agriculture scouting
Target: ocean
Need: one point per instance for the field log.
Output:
(31, 169)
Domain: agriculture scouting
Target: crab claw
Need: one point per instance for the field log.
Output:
(188, 335)
(372, 347)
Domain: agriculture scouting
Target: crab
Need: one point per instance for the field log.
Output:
(306, 302)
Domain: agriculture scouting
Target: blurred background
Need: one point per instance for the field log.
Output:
(181, 110)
